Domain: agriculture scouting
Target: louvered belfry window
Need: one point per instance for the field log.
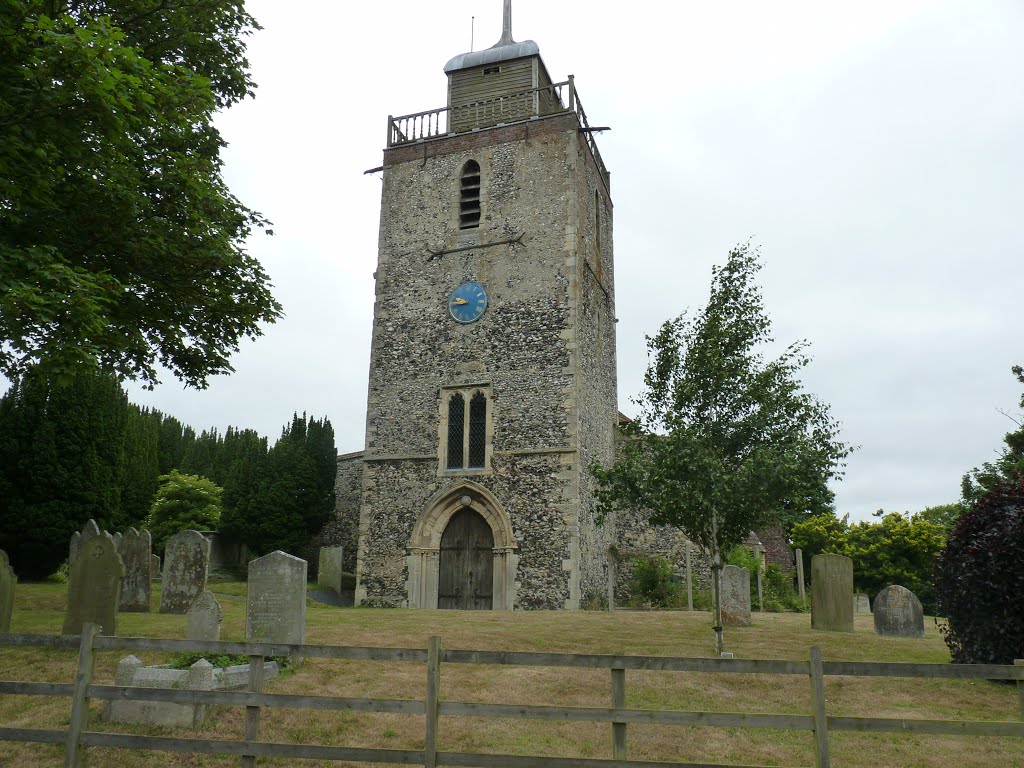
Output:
(456, 428)
(465, 428)
(469, 196)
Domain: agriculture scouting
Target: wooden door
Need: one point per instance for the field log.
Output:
(467, 563)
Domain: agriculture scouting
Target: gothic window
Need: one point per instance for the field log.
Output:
(465, 429)
(469, 196)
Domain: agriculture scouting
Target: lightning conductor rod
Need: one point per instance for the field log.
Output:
(472, 24)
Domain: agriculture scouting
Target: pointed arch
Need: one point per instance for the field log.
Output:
(425, 544)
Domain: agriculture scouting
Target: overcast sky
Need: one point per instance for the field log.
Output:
(873, 150)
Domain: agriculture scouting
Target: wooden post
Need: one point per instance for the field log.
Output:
(618, 702)
(572, 94)
(760, 590)
(689, 578)
(821, 758)
(433, 691)
(390, 133)
(79, 701)
(252, 714)
(1020, 687)
(800, 576)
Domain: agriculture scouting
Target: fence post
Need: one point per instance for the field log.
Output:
(79, 701)
(821, 758)
(689, 577)
(800, 576)
(252, 714)
(433, 689)
(572, 93)
(618, 702)
(1020, 687)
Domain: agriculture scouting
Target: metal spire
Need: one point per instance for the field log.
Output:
(506, 27)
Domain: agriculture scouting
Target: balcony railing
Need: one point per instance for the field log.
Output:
(502, 110)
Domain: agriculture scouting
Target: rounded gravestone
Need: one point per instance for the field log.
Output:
(898, 613)
(832, 593)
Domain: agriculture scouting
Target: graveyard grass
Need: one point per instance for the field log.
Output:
(39, 609)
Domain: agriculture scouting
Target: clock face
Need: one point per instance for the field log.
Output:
(467, 302)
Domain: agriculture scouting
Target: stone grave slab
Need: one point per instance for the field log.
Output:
(832, 593)
(186, 562)
(8, 581)
(78, 538)
(329, 568)
(735, 596)
(898, 613)
(203, 618)
(861, 603)
(276, 607)
(94, 586)
(135, 549)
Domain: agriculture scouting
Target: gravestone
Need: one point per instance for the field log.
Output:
(203, 618)
(8, 581)
(94, 585)
(898, 613)
(135, 550)
(186, 560)
(735, 596)
(861, 603)
(154, 567)
(276, 607)
(329, 570)
(79, 538)
(832, 593)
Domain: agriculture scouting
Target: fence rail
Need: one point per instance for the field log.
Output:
(76, 737)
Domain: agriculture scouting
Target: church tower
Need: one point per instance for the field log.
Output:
(492, 373)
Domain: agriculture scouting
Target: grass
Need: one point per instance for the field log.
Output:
(39, 609)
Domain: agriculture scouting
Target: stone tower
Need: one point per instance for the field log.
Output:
(492, 373)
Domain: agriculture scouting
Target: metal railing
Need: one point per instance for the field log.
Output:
(546, 100)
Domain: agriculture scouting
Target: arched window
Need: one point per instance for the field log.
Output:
(465, 434)
(469, 196)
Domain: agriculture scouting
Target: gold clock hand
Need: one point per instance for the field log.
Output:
(460, 300)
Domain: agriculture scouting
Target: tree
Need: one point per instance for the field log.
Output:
(725, 439)
(62, 458)
(183, 503)
(1005, 469)
(120, 245)
(979, 579)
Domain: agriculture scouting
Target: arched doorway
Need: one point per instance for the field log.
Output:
(459, 529)
(466, 567)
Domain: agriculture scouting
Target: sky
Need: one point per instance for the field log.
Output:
(873, 151)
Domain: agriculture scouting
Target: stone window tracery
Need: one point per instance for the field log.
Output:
(465, 431)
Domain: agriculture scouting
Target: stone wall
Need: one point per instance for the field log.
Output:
(776, 548)
(342, 530)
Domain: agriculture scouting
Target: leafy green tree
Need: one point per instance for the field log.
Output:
(140, 467)
(120, 245)
(821, 534)
(725, 438)
(1005, 469)
(943, 515)
(899, 549)
(183, 503)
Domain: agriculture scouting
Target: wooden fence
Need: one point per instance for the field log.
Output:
(77, 737)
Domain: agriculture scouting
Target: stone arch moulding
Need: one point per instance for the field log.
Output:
(424, 550)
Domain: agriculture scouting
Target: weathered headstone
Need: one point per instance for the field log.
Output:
(861, 603)
(135, 550)
(94, 585)
(154, 568)
(186, 561)
(203, 618)
(735, 596)
(898, 613)
(329, 570)
(78, 539)
(832, 593)
(276, 607)
(8, 581)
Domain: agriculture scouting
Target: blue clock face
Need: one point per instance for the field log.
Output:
(467, 302)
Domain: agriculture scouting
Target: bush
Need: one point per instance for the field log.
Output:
(979, 580)
(779, 593)
(183, 503)
(653, 582)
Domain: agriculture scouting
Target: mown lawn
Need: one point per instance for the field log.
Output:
(39, 609)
